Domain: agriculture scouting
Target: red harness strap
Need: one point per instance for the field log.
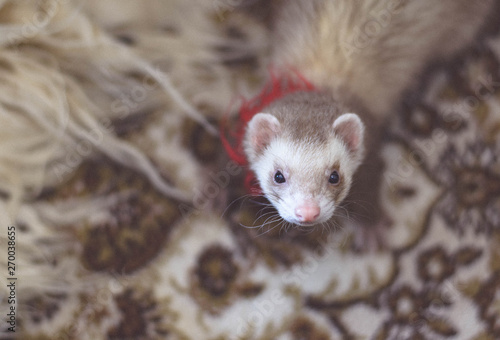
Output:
(277, 87)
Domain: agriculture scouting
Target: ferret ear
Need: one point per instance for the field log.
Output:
(261, 130)
(351, 129)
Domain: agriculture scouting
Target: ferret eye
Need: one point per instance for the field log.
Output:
(334, 178)
(279, 178)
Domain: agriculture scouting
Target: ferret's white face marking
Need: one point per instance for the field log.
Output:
(306, 169)
(305, 180)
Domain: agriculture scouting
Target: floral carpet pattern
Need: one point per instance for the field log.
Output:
(104, 250)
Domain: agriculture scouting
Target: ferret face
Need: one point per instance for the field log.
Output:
(303, 179)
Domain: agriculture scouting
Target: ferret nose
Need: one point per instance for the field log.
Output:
(307, 212)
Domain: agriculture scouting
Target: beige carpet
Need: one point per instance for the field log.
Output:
(131, 222)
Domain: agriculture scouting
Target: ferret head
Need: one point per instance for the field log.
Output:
(307, 178)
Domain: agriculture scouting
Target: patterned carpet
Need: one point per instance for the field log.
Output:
(94, 139)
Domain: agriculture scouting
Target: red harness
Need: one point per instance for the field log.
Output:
(277, 87)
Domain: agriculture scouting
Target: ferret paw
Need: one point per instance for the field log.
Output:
(369, 237)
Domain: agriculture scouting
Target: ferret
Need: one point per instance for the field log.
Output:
(312, 151)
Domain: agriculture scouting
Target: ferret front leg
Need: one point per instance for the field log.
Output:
(364, 211)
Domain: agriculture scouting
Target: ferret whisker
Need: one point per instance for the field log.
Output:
(270, 217)
(284, 225)
(325, 227)
(300, 228)
(336, 225)
(241, 198)
(271, 229)
(270, 220)
(262, 213)
(361, 203)
(340, 215)
(264, 208)
(342, 207)
(332, 225)
(357, 215)
(245, 198)
(263, 204)
(250, 227)
(344, 214)
(266, 222)
(322, 228)
(308, 230)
